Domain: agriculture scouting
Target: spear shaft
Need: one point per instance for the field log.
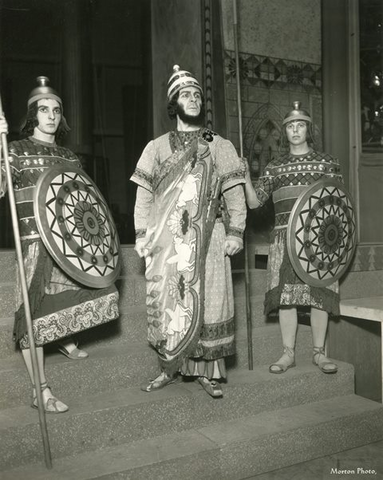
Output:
(27, 309)
(246, 253)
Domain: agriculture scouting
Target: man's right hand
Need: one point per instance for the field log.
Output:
(140, 248)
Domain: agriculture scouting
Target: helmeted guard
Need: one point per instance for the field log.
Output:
(286, 179)
(60, 306)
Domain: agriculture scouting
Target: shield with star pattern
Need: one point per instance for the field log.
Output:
(321, 233)
(76, 226)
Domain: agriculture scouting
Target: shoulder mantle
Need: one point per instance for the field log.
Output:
(276, 162)
(323, 156)
(18, 147)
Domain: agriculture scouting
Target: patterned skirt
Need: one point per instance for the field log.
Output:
(59, 306)
(286, 289)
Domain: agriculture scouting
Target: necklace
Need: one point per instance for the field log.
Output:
(181, 140)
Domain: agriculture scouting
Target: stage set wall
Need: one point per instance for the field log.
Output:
(98, 57)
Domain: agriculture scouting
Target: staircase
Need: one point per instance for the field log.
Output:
(113, 430)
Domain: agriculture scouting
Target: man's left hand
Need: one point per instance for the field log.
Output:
(232, 247)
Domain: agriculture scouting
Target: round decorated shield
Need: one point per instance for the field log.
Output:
(76, 226)
(321, 233)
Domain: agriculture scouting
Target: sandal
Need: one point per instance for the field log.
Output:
(212, 387)
(75, 354)
(51, 404)
(322, 362)
(160, 382)
(286, 361)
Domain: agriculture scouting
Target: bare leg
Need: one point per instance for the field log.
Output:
(51, 404)
(288, 322)
(40, 361)
(319, 323)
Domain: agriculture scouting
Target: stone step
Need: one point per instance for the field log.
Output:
(257, 282)
(7, 346)
(257, 316)
(133, 322)
(7, 264)
(134, 286)
(7, 299)
(230, 449)
(126, 415)
(132, 268)
(131, 279)
(132, 290)
(129, 328)
(123, 364)
(109, 367)
(267, 346)
(131, 263)
(132, 325)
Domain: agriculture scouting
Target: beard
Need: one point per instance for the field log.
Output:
(196, 120)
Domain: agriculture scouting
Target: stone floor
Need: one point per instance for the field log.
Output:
(359, 463)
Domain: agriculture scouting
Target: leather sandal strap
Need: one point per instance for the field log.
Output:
(43, 386)
(319, 350)
(322, 363)
(290, 351)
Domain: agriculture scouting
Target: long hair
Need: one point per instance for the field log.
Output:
(172, 107)
(30, 121)
(310, 137)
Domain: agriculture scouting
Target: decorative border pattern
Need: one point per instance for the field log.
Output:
(367, 258)
(78, 318)
(269, 72)
(208, 67)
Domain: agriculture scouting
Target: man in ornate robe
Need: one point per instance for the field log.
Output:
(190, 216)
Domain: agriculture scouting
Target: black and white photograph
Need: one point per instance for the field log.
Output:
(191, 239)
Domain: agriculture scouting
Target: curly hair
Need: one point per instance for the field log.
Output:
(30, 121)
(172, 106)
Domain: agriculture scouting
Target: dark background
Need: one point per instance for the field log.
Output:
(97, 55)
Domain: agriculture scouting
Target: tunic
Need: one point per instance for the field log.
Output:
(190, 202)
(59, 305)
(284, 179)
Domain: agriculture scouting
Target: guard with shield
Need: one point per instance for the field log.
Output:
(313, 240)
(69, 244)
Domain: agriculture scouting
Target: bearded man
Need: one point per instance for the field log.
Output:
(190, 216)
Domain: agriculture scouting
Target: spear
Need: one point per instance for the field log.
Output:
(24, 289)
(246, 253)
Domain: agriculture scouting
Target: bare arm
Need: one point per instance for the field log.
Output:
(144, 201)
(251, 196)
